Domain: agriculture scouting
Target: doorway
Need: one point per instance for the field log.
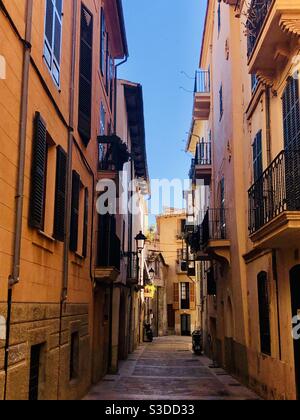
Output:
(295, 297)
(185, 325)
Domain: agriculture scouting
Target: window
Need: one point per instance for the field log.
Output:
(254, 82)
(222, 209)
(60, 194)
(185, 295)
(75, 211)
(74, 356)
(257, 156)
(34, 373)
(42, 189)
(219, 18)
(53, 35)
(112, 79)
(221, 102)
(85, 76)
(103, 43)
(102, 120)
(264, 313)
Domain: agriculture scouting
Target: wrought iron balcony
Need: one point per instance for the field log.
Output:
(202, 81)
(273, 29)
(113, 154)
(214, 236)
(201, 167)
(202, 97)
(257, 13)
(277, 191)
(213, 226)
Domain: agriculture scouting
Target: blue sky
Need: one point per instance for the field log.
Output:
(164, 38)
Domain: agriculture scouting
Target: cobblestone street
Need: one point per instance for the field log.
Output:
(168, 370)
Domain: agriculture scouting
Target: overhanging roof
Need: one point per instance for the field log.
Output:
(136, 123)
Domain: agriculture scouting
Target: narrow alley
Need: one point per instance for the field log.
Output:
(168, 370)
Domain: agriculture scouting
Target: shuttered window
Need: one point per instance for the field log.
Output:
(38, 174)
(85, 76)
(192, 296)
(176, 296)
(221, 102)
(264, 313)
(257, 156)
(291, 124)
(103, 43)
(85, 222)
(53, 36)
(74, 211)
(60, 195)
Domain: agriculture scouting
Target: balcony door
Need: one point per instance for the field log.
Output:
(185, 325)
(291, 125)
(295, 297)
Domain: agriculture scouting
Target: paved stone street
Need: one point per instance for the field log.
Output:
(168, 370)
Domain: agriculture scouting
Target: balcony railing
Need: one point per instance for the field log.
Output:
(113, 153)
(202, 157)
(213, 226)
(276, 191)
(202, 81)
(257, 13)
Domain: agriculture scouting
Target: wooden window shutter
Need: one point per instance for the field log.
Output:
(38, 174)
(176, 297)
(192, 297)
(60, 195)
(85, 223)
(85, 76)
(74, 211)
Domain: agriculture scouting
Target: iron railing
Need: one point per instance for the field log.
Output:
(203, 157)
(276, 191)
(202, 81)
(112, 153)
(257, 14)
(213, 226)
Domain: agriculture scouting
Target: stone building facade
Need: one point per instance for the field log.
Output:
(244, 140)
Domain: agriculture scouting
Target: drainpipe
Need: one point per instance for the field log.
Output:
(64, 292)
(14, 278)
(275, 276)
(268, 127)
(116, 90)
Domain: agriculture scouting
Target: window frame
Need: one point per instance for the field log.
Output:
(48, 49)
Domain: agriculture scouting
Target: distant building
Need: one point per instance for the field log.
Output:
(181, 287)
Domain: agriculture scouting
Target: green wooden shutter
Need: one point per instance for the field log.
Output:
(38, 174)
(74, 211)
(60, 195)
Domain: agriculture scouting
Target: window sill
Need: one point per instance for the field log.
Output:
(46, 236)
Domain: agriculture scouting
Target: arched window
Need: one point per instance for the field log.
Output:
(264, 312)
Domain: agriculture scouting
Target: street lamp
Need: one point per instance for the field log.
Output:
(140, 242)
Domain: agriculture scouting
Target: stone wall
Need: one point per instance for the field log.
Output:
(34, 324)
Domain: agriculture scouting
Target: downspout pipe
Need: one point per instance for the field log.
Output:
(14, 278)
(67, 221)
(70, 159)
(116, 90)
